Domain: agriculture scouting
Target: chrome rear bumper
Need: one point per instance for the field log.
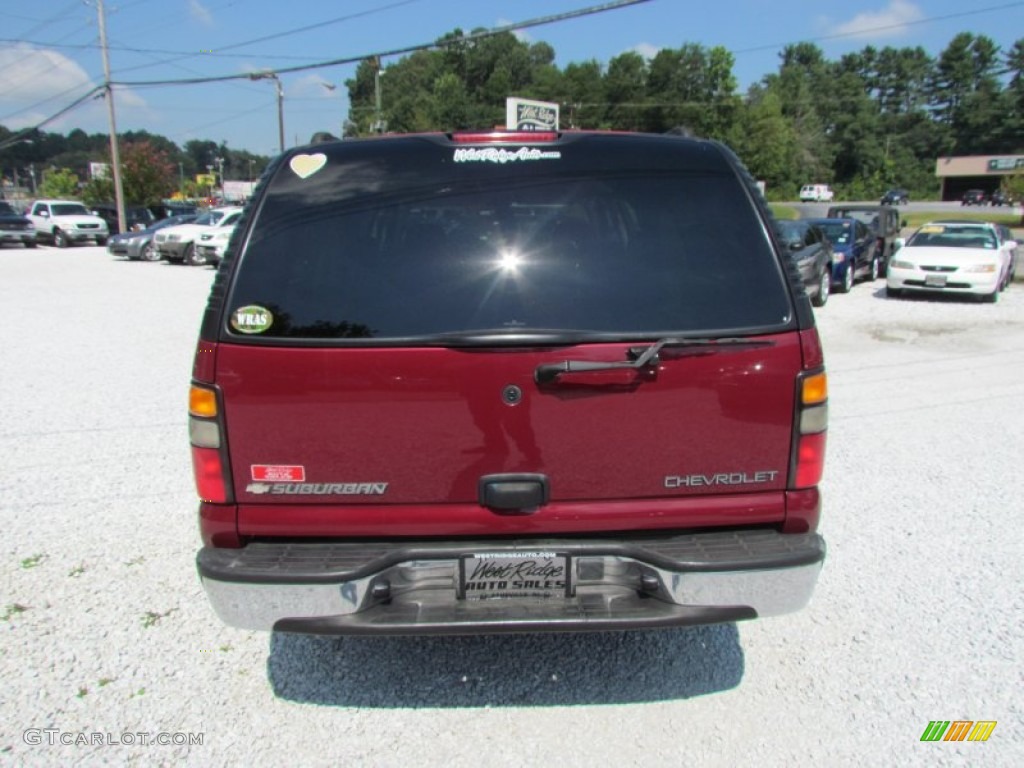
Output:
(410, 587)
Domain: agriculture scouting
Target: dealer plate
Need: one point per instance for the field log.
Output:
(935, 281)
(514, 574)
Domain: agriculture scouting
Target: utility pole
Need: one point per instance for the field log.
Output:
(115, 155)
(280, 102)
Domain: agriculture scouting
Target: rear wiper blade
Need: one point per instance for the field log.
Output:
(511, 337)
(545, 373)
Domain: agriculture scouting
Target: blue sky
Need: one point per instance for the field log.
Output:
(49, 52)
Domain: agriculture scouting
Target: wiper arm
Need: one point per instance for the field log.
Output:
(545, 373)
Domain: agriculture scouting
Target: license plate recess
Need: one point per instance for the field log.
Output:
(484, 575)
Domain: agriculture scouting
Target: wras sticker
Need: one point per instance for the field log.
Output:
(933, 228)
(293, 473)
(496, 155)
(305, 166)
(252, 319)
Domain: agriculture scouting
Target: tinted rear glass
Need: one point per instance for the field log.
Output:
(403, 238)
(68, 209)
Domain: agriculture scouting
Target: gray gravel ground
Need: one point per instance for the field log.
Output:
(917, 617)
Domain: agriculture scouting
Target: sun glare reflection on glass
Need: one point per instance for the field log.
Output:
(509, 261)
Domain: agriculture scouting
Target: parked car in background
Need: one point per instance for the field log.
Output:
(178, 243)
(896, 196)
(15, 228)
(166, 210)
(999, 197)
(958, 257)
(66, 222)
(137, 217)
(210, 246)
(854, 251)
(883, 220)
(1011, 244)
(816, 193)
(974, 197)
(140, 245)
(811, 251)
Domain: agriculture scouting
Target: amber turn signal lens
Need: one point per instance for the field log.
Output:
(202, 402)
(814, 389)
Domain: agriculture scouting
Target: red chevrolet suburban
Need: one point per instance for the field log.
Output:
(507, 382)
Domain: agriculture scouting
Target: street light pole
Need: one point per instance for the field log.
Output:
(115, 156)
(280, 102)
(220, 167)
(378, 124)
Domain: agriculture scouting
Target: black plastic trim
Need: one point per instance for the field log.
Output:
(338, 562)
(507, 617)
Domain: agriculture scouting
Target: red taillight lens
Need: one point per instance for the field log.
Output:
(505, 137)
(206, 432)
(810, 460)
(209, 474)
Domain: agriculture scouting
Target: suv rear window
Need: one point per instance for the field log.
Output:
(612, 235)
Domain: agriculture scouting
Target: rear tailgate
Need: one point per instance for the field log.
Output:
(352, 430)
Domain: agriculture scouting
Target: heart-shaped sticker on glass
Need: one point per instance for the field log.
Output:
(305, 166)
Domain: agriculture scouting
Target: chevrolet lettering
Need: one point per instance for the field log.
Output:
(721, 478)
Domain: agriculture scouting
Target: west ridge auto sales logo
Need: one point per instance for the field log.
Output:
(497, 155)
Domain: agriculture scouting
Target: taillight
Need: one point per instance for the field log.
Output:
(504, 137)
(811, 423)
(205, 431)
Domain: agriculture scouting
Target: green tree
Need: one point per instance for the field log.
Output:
(147, 177)
(583, 95)
(59, 183)
(764, 140)
(625, 88)
(693, 87)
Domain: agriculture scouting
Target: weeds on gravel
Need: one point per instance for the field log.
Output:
(105, 681)
(13, 610)
(140, 692)
(83, 692)
(78, 570)
(150, 618)
(136, 561)
(32, 562)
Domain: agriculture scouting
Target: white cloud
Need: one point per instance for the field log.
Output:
(891, 21)
(200, 13)
(521, 34)
(29, 74)
(36, 83)
(647, 50)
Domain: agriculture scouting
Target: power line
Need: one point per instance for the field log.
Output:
(588, 11)
(151, 51)
(885, 27)
(276, 35)
(14, 139)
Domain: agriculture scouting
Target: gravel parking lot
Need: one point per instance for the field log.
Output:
(918, 616)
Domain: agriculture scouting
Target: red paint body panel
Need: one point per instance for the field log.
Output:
(803, 510)
(448, 520)
(218, 525)
(429, 422)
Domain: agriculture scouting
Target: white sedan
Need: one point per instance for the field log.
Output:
(210, 246)
(178, 243)
(952, 257)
